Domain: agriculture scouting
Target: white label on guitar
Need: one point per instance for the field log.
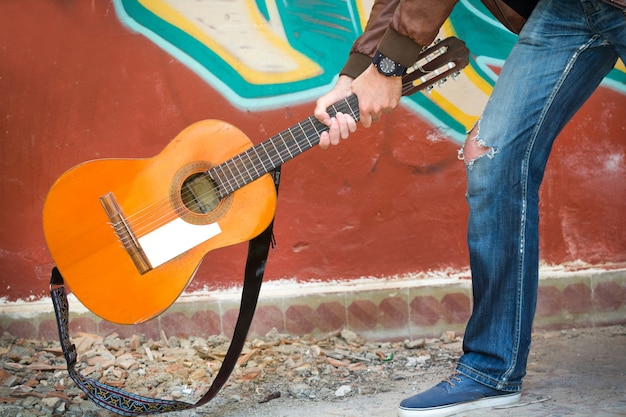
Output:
(175, 238)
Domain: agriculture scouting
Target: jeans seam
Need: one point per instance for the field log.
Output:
(524, 178)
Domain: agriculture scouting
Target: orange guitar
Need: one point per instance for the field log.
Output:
(128, 235)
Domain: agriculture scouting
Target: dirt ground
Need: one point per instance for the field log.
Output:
(574, 372)
(570, 373)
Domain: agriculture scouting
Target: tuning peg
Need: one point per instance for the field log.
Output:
(442, 81)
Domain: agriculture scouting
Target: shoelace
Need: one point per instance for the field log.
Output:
(452, 379)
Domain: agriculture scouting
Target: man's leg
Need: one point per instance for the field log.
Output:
(555, 66)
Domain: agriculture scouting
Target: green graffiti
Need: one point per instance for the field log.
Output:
(291, 50)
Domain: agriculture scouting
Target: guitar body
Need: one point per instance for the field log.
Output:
(96, 211)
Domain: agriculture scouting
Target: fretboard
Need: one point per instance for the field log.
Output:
(275, 151)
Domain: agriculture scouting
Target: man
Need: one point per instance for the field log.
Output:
(563, 52)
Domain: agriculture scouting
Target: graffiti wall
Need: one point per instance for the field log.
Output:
(104, 79)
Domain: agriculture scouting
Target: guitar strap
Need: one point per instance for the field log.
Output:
(128, 404)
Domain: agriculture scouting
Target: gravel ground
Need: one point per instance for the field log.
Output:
(334, 375)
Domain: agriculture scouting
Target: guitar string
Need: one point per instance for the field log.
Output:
(291, 146)
(165, 213)
(139, 221)
(160, 212)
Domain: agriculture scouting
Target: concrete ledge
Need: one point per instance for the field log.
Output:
(377, 309)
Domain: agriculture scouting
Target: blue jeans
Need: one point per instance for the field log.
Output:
(562, 54)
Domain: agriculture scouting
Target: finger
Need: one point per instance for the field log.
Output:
(351, 124)
(320, 112)
(322, 115)
(334, 132)
(344, 130)
(324, 140)
(366, 120)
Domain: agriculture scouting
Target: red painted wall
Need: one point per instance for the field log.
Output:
(77, 85)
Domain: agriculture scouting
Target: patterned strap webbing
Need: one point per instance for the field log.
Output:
(128, 404)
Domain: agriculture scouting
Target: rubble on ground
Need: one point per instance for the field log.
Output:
(33, 376)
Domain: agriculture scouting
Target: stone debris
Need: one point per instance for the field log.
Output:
(34, 380)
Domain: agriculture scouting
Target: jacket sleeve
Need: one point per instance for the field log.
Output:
(398, 29)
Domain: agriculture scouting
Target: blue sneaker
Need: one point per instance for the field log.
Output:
(455, 395)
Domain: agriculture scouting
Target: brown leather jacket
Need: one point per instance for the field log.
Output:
(399, 28)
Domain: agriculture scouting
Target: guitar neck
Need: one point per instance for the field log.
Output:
(275, 151)
(434, 64)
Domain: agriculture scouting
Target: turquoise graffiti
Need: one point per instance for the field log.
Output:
(266, 54)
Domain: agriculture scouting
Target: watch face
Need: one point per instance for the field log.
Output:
(387, 66)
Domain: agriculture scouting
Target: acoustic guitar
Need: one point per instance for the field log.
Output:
(128, 234)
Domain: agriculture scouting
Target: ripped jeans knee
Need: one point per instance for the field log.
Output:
(475, 148)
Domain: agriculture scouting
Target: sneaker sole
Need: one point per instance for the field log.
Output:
(448, 410)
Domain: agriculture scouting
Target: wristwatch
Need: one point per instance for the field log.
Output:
(387, 66)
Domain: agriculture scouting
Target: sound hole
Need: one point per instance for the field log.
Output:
(199, 193)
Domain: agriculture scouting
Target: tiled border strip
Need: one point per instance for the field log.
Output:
(377, 309)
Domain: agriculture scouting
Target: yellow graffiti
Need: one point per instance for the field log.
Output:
(237, 32)
(465, 97)
(364, 7)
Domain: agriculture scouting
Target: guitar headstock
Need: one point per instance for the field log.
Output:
(435, 63)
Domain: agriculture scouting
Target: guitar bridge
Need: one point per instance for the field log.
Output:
(124, 233)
